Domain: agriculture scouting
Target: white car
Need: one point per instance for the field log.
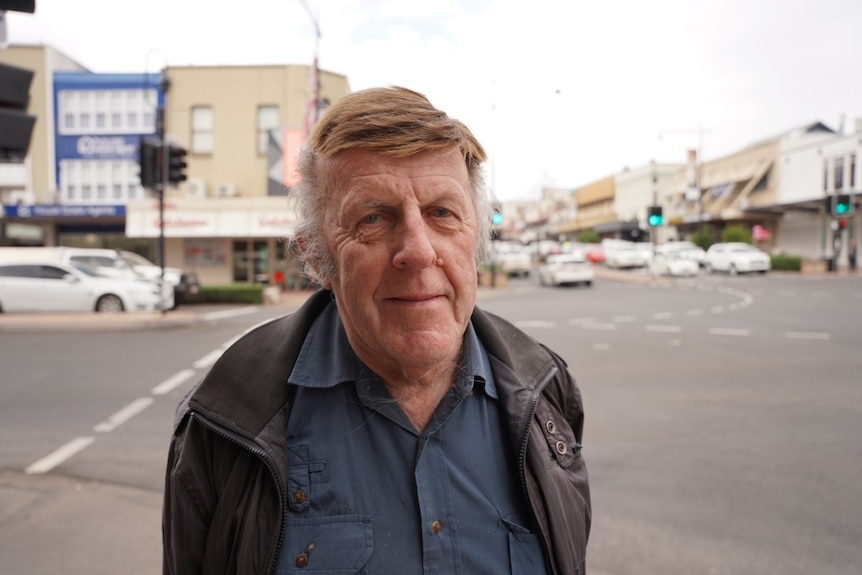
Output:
(672, 263)
(736, 257)
(686, 249)
(624, 254)
(566, 269)
(55, 287)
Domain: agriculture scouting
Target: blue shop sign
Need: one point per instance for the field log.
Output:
(66, 211)
(97, 147)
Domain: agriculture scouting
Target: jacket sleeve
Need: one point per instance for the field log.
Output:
(185, 519)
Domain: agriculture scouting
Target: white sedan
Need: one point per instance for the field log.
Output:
(673, 263)
(566, 269)
(54, 287)
(736, 257)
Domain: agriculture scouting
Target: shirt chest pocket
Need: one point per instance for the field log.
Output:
(334, 545)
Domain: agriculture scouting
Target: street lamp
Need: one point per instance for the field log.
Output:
(694, 191)
(313, 112)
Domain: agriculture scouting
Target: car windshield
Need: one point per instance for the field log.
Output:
(87, 270)
(136, 260)
(743, 248)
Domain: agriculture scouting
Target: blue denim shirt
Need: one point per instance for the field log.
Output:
(367, 493)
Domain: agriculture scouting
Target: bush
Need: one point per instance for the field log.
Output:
(736, 233)
(231, 293)
(703, 237)
(589, 237)
(786, 262)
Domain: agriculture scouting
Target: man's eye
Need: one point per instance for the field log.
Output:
(371, 219)
(441, 212)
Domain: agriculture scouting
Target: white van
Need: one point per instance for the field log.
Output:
(108, 262)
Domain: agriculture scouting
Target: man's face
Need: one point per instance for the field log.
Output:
(402, 232)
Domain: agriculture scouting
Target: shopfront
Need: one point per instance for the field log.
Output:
(227, 240)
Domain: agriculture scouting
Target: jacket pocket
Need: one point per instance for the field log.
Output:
(337, 545)
(525, 550)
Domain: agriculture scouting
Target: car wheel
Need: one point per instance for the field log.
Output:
(109, 303)
(733, 271)
(588, 284)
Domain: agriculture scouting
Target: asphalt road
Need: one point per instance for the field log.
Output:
(721, 437)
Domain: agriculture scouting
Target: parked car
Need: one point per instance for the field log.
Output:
(687, 249)
(566, 269)
(514, 259)
(736, 257)
(38, 286)
(112, 263)
(672, 263)
(624, 254)
(184, 282)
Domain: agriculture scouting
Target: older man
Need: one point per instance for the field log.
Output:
(389, 426)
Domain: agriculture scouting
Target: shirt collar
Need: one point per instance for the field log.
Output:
(326, 358)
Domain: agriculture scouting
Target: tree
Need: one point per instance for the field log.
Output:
(736, 233)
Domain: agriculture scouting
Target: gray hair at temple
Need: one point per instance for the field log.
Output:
(393, 121)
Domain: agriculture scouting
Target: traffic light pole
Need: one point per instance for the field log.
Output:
(162, 186)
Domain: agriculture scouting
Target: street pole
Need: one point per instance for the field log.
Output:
(311, 119)
(160, 129)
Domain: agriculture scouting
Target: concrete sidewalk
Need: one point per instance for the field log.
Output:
(84, 322)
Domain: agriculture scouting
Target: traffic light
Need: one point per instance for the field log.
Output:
(176, 164)
(655, 216)
(841, 205)
(150, 161)
(16, 126)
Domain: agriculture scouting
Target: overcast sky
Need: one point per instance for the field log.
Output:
(560, 92)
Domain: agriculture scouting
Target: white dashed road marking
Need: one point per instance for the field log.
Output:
(54, 459)
(729, 331)
(208, 359)
(124, 415)
(823, 336)
(173, 382)
(664, 328)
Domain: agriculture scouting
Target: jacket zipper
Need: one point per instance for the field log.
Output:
(522, 464)
(270, 464)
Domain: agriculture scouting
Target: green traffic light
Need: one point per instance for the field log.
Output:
(842, 209)
(655, 220)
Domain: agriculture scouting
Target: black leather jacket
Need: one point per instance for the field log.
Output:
(226, 494)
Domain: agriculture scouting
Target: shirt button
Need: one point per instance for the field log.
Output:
(551, 427)
(302, 559)
(436, 527)
(299, 496)
(562, 448)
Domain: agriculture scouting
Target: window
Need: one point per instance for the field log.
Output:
(116, 120)
(202, 130)
(267, 119)
(839, 174)
(100, 120)
(852, 171)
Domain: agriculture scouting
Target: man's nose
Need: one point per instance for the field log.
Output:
(414, 249)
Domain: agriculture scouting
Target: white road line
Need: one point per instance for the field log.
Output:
(662, 315)
(819, 335)
(601, 346)
(173, 382)
(229, 313)
(675, 342)
(729, 331)
(664, 328)
(624, 318)
(54, 459)
(208, 359)
(125, 414)
(604, 326)
(580, 320)
(694, 312)
(717, 309)
(536, 323)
